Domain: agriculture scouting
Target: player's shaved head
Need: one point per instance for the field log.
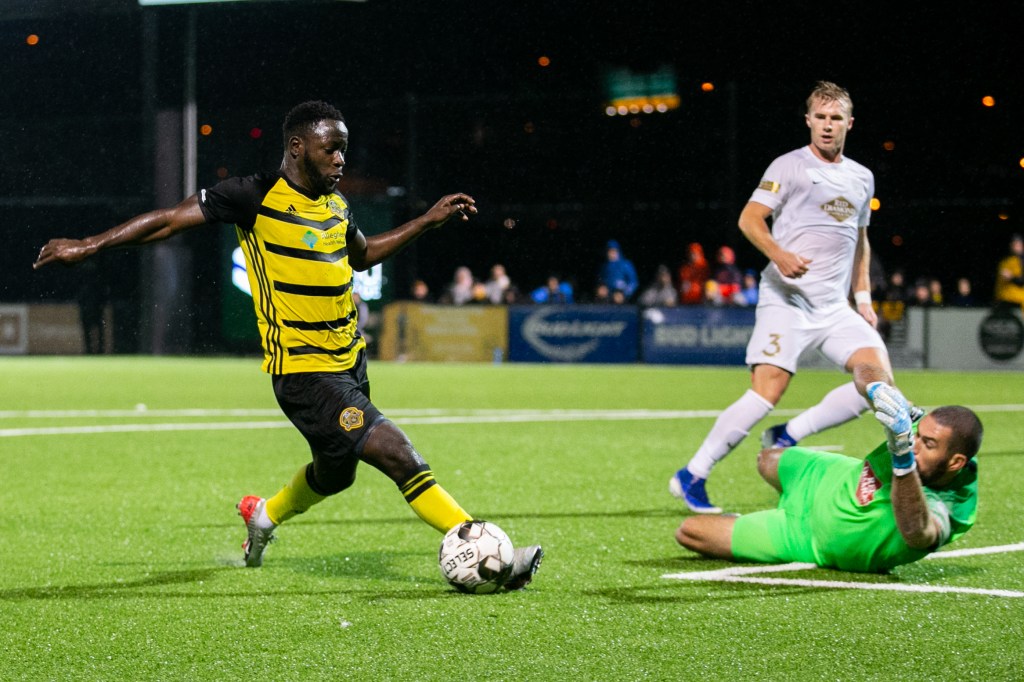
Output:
(965, 426)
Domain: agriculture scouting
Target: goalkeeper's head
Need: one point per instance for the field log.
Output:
(947, 440)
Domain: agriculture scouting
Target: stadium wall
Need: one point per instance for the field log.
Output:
(924, 338)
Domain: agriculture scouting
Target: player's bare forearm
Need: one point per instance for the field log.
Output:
(913, 518)
(753, 224)
(380, 247)
(861, 279)
(365, 252)
(862, 262)
(142, 229)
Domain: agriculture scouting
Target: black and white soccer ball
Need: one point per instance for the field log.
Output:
(476, 557)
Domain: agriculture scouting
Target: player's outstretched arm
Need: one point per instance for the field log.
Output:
(365, 252)
(147, 227)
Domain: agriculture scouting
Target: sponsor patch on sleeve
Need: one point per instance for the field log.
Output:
(769, 186)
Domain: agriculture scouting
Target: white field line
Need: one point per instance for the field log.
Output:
(750, 575)
(410, 416)
(443, 413)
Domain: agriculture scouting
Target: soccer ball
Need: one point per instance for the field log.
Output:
(476, 557)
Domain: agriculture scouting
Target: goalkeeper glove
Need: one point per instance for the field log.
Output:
(892, 410)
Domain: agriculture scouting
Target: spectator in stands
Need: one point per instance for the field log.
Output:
(460, 289)
(725, 285)
(661, 292)
(601, 295)
(555, 291)
(513, 296)
(1010, 277)
(921, 297)
(618, 273)
(420, 292)
(749, 290)
(479, 293)
(896, 290)
(935, 291)
(893, 304)
(963, 298)
(692, 275)
(497, 283)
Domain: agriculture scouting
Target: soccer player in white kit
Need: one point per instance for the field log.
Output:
(819, 204)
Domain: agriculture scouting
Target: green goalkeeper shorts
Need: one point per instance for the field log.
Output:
(784, 533)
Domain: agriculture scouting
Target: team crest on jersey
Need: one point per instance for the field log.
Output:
(867, 486)
(310, 239)
(769, 186)
(335, 208)
(351, 418)
(839, 208)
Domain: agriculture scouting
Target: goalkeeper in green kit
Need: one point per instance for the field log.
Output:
(911, 495)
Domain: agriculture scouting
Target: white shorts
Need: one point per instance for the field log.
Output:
(782, 332)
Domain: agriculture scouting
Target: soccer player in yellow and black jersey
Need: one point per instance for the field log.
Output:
(301, 246)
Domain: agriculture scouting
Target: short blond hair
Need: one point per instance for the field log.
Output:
(828, 91)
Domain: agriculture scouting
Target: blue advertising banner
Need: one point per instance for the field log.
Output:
(574, 333)
(695, 335)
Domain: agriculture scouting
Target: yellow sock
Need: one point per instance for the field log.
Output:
(432, 503)
(294, 498)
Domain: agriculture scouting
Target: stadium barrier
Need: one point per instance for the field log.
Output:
(923, 338)
(415, 331)
(927, 338)
(45, 329)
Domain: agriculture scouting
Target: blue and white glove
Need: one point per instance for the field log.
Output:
(894, 413)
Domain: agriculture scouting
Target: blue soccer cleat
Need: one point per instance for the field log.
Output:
(690, 489)
(777, 437)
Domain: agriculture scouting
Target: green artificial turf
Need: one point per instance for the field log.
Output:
(120, 549)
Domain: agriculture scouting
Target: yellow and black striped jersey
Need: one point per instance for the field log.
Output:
(296, 252)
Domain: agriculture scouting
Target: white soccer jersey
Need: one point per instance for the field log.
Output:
(817, 209)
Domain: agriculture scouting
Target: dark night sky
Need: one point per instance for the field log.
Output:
(73, 125)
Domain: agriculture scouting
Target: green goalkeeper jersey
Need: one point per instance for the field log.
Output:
(853, 526)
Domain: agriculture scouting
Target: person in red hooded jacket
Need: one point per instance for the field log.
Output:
(693, 274)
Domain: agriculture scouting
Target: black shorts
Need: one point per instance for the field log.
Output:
(332, 410)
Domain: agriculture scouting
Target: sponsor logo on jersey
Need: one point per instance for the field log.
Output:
(335, 207)
(839, 208)
(351, 418)
(867, 486)
(310, 239)
(291, 210)
(769, 186)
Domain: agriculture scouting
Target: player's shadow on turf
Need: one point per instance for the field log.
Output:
(117, 588)
(673, 594)
(499, 516)
(356, 565)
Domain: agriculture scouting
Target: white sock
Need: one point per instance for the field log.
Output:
(839, 406)
(263, 521)
(731, 427)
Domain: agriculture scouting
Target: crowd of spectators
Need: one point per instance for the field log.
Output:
(697, 281)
